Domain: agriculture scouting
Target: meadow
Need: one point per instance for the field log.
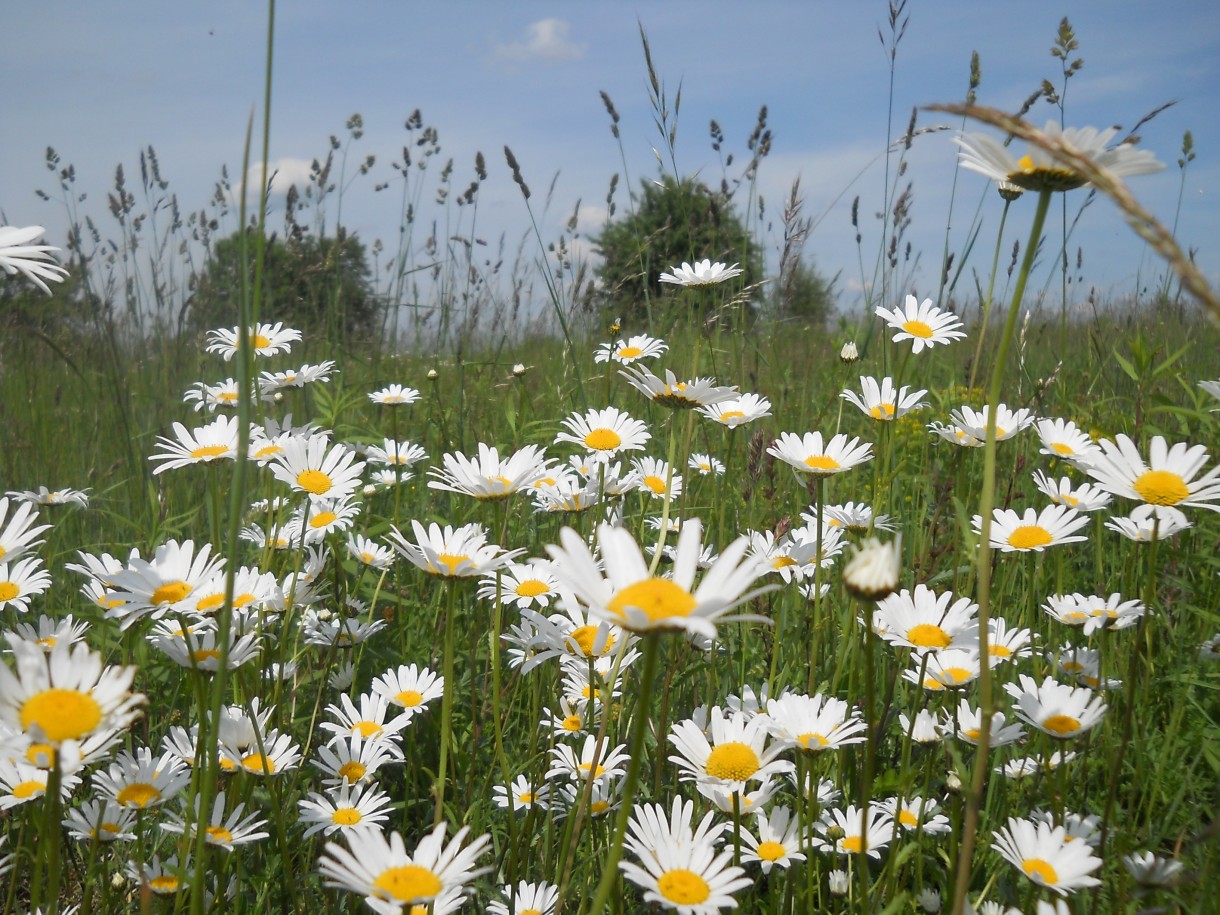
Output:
(911, 607)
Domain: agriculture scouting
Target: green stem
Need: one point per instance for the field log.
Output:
(447, 703)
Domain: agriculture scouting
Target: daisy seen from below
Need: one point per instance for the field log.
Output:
(489, 477)
(779, 841)
(220, 831)
(142, 781)
(882, 402)
(1008, 422)
(44, 496)
(1167, 480)
(1146, 529)
(1046, 855)
(523, 794)
(450, 552)
(212, 397)
(528, 584)
(705, 465)
(1212, 388)
(689, 878)
(736, 753)
(1055, 708)
(858, 831)
(18, 532)
(410, 687)
(34, 262)
(657, 479)
(813, 723)
(394, 395)
(1148, 869)
(604, 433)
(162, 584)
(808, 454)
(629, 595)
(271, 383)
(345, 809)
(628, 351)
(217, 441)
(312, 465)
(528, 899)
(1034, 530)
(1084, 498)
(739, 411)
(47, 632)
(65, 694)
(264, 340)
(379, 867)
(22, 580)
(1038, 170)
(675, 394)
(925, 621)
(701, 273)
(1062, 439)
(369, 552)
(395, 454)
(922, 323)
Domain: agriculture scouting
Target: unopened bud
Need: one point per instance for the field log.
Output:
(518, 370)
(872, 573)
(433, 374)
(849, 354)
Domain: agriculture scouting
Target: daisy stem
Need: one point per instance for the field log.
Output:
(815, 618)
(652, 644)
(974, 793)
(493, 646)
(52, 831)
(446, 701)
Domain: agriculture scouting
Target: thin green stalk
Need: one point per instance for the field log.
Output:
(446, 702)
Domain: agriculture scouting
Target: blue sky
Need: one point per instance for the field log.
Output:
(104, 80)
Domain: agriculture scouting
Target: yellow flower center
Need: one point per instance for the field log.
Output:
(366, 729)
(1038, 870)
(782, 562)
(771, 851)
(227, 396)
(166, 883)
(258, 341)
(733, 761)
(1061, 725)
(346, 816)
(629, 352)
(972, 733)
(908, 819)
(572, 723)
(25, 790)
(882, 411)
(209, 451)
(1062, 449)
(656, 484)
(603, 440)
(268, 451)
(258, 764)
(352, 770)
(917, 329)
(170, 593)
(410, 698)
(452, 560)
(210, 603)
(8, 590)
(957, 674)
(532, 587)
(658, 598)
(683, 887)
(585, 636)
(218, 835)
(999, 651)
(61, 714)
(1029, 536)
(41, 755)
(587, 768)
(731, 414)
(314, 481)
(107, 828)
(321, 519)
(852, 844)
(1161, 487)
(928, 635)
(140, 794)
(812, 741)
(822, 463)
(205, 654)
(525, 797)
(598, 807)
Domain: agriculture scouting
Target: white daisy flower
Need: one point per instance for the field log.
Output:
(1033, 530)
(882, 402)
(628, 351)
(922, 323)
(809, 455)
(1046, 856)
(701, 273)
(34, 262)
(1054, 708)
(264, 340)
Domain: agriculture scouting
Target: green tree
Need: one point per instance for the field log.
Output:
(676, 222)
(318, 285)
(803, 294)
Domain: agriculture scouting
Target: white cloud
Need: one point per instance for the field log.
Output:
(546, 39)
(284, 174)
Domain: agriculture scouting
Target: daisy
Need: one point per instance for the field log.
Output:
(1054, 708)
(141, 781)
(926, 621)
(779, 840)
(1145, 529)
(882, 402)
(736, 753)
(34, 262)
(48, 632)
(65, 694)
(690, 878)
(1031, 765)
(808, 454)
(1148, 869)
(858, 831)
(527, 584)
(604, 433)
(410, 687)
(334, 631)
(1046, 856)
(573, 718)
(926, 727)
(524, 795)
(310, 465)
(739, 411)
(162, 584)
(955, 435)
(278, 754)
(702, 273)
(44, 496)
(628, 595)
(354, 760)
(657, 479)
(1033, 530)
(213, 396)
(1007, 422)
(653, 827)
(1212, 388)
(264, 340)
(1007, 642)
(221, 831)
(949, 668)
(1062, 439)
(1166, 481)
(529, 899)
(103, 821)
(369, 552)
(389, 877)
(922, 323)
(217, 441)
(18, 532)
(488, 477)
(21, 580)
(161, 876)
(252, 590)
(346, 809)
(872, 572)
(451, 552)
(705, 464)
(567, 764)
(394, 395)
(1084, 498)
(917, 813)
(854, 517)
(813, 723)
(628, 351)
(675, 394)
(370, 721)
(395, 454)
(1038, 170)
(21, 783)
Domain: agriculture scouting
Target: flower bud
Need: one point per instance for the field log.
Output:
(849, 354)
(872, 573)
